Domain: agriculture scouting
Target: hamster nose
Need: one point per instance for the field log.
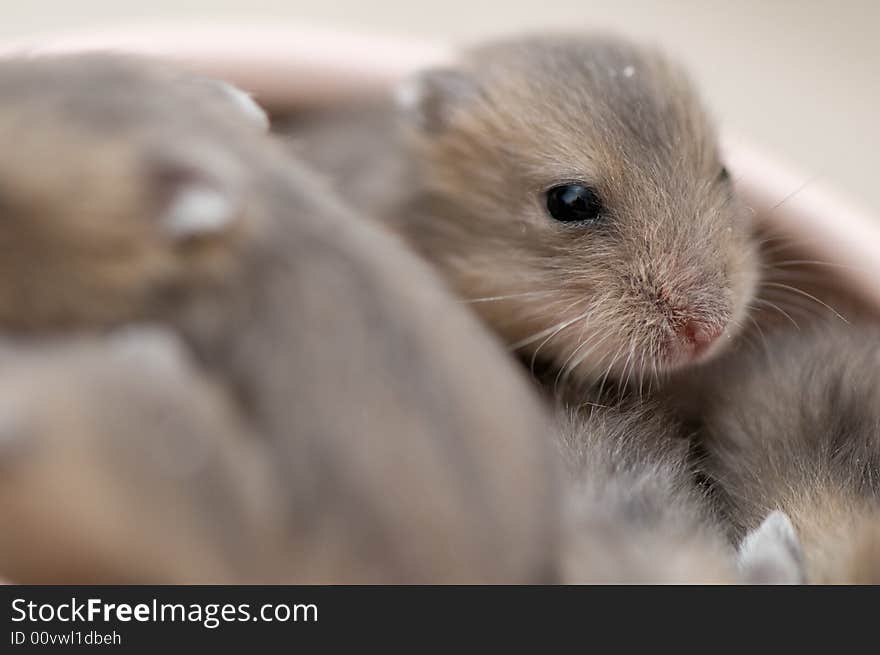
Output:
(698, 336)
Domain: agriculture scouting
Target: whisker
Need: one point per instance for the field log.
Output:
(562, 369)
(542, 333)
(593, 405)
(767, 303)
(797, 190)
(813, 312)
(608, 370)
(807, 295)
(525, 294)
(581, 343)
(794, 303)
(583, 357)
(808, 277)
(642, 369)
(760, 332)
(560, 329)
(813, 262)
(626, 367)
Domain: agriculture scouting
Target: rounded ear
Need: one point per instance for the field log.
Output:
(771, 554)
(432, 97)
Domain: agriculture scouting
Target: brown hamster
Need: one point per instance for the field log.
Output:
(140, 193)
(119, 462)
(634, 511)
(792, 435)
(569, 187)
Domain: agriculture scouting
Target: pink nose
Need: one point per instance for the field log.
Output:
(699, 336)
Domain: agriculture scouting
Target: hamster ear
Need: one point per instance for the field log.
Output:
(771, 554)
(431, 98)
(197, 195)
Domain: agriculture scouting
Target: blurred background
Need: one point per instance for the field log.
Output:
(799, 77)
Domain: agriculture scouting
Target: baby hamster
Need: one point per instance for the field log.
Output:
(634, 511)
(570, 187)
(140, 193)
(793, 445)
(120, 463)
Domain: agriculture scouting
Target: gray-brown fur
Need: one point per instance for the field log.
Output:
(408, 448)
(634, 510)
(483, 141)
(797, 429)
(121, 463)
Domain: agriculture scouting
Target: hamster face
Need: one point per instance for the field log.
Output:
(577, 199)
(114, 194)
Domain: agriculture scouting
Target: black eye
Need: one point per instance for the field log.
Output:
(724, 175)
(573, 202)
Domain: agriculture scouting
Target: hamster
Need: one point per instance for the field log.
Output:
(792, 442)
(138, 193)
(112, 477)
(634, 511)
(570, 188)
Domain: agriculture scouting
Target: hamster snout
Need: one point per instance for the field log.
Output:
(695, 341)
(698, 336)
(695, 326)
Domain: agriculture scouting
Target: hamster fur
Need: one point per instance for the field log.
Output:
(792, 441)
(138, 193)
(634, 510)
(660, 280)
(121, 463)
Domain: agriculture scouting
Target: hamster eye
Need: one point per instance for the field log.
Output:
(724, 175)
(573, 202)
